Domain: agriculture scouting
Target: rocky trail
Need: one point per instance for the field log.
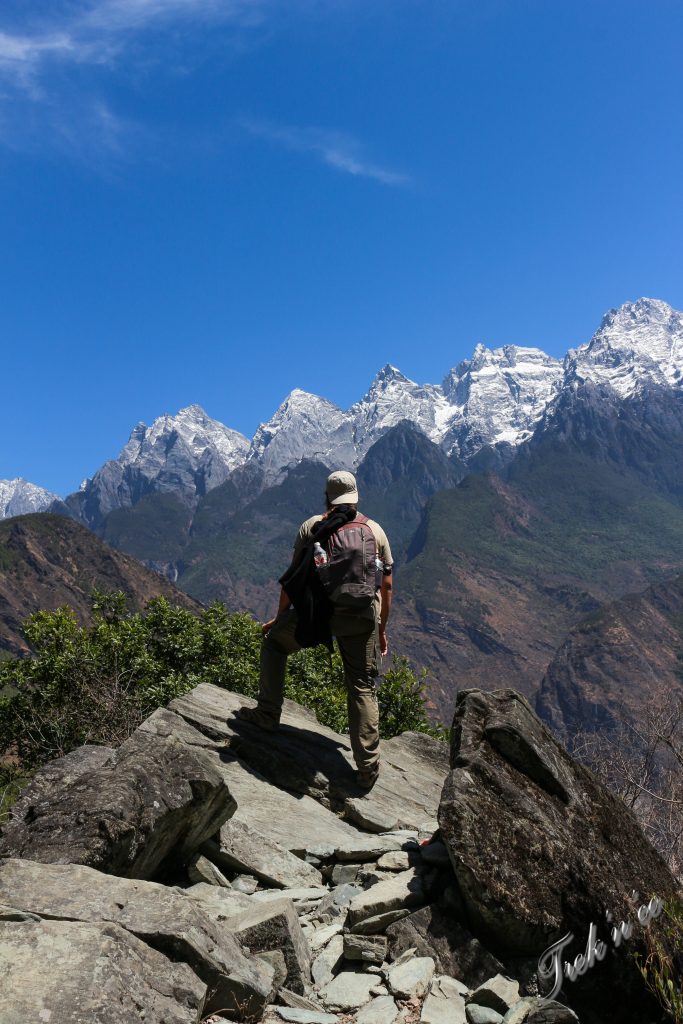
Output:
(208, 871)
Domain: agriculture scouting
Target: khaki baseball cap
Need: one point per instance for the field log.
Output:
(341, 488)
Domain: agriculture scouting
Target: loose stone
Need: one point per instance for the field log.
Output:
(411, 979)
(482, 1014)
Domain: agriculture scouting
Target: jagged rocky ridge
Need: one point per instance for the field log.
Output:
(215, 874)
(19, 497)
(491, 402)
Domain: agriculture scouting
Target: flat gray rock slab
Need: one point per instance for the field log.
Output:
(370, 814)
(222, 903)
(165, 918)
(295, 823)
(518, 1013)
(318, 939)
(306, 757)
(335, 903)
(399, 892)
(155, 796)
(296, 1015)
(245, 884)
(289, 998)
(412, 978)
(344, 873)
(361, 847)
(276, 926)
(379, 922)
(348, 991)
(201, 869)
(370, 949)
(299, 894)
(382, 1010)
(482, 1014)
(71, 971)
(327, 961)
(444, 1003)
(243, 848)
(397, 860)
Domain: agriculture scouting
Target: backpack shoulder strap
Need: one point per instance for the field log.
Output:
(358, 520)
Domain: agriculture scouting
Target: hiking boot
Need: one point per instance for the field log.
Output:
(255, 716)
(366, 779)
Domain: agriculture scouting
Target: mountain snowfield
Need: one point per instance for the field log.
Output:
(498, 396)
(495, 398)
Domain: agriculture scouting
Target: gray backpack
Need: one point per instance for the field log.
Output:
(352, 575)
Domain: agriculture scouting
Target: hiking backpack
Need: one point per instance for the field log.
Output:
(351, 577)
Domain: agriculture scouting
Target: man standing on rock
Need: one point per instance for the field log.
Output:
(339, 584)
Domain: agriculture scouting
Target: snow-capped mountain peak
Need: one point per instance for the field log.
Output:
(496, 397)
(637, 344)
(387, 375)
(304, 426)
(19, 497)
(192, 428)
(186, 454)
(393, 397)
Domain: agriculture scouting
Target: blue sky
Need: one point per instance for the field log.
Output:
(210, 200)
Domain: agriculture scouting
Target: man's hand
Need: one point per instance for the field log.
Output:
(282, 607)
(383, 642)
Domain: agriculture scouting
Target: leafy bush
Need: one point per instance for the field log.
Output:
(12, 781)
(661, 967)
(95, 684)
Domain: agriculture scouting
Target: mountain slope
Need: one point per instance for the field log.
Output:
(241, 562)
(398, 475)
(616, 661)
(500, 570)
(48, 560)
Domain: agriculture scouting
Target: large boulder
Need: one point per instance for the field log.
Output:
(434, 932)
(58, 971)
(541, 849)
(125, 812)
(275, 926)
(163, 917)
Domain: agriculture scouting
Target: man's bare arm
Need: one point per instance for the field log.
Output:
(386, 596)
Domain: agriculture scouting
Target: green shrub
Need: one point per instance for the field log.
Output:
(662, 966)
(12, 781)
(95, 684)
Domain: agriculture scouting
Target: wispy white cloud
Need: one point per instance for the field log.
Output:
(336, 149)
(96, 31)
(113, 16)
(37, 102)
